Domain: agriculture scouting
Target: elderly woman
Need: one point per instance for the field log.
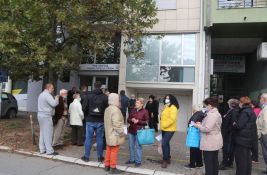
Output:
(195, 153)
(168, 122)
(60, 119)
(114, 132)
(227, 132)
(211, 138)
(137, 120)
(245, 131)
(76, 120)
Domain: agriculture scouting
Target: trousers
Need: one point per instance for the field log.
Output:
(59, 131)
(243, 160)
(211, 162)
(111, 156)
(46, 134)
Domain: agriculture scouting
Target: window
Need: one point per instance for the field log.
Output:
(145, 69)
(166, 4)
(167, 59)
(19, 87)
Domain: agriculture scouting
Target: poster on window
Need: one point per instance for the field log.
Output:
(229, 64)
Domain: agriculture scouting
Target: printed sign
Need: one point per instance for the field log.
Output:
(86, 67)
(229, 63)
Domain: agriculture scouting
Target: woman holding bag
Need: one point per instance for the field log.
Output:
(168, 126)
(195, 153)
(137, 119)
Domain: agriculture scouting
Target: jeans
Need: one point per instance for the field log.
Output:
(263, 140)
(135, 149)
(166, 149)
(92, 127)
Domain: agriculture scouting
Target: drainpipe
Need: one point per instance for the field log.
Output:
(202, 38)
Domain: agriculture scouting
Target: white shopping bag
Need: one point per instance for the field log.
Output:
(159, 138)
(125, 131)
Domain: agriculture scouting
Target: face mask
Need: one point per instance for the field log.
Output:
(204, 110)
(79, 99)
(167, 101)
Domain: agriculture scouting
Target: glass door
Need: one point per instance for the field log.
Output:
(103, 80)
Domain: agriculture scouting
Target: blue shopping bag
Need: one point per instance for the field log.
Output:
(146, 136)
(193, 137)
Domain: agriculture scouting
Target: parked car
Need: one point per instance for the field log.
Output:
(9, 105)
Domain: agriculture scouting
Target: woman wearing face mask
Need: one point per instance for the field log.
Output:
(168, 122)
(211, 138)
(137, 120)
(76, 118)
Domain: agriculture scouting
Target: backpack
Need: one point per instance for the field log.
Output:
(97, 105)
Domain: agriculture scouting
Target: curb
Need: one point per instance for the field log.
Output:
(90, 163)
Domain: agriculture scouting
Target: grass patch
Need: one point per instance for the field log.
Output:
(14, 125)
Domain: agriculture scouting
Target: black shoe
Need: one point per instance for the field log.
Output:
(53, 154)
(107, 168)
(129, 162)
(189, 167)
(264, 172)
(101, 159)
(199, 166)
(85, 159)
(42, 152)
(222, 167)
(115, 171)
(137, 164)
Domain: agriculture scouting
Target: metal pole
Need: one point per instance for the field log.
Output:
(32, 129)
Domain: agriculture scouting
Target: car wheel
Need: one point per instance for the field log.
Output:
(11, 113)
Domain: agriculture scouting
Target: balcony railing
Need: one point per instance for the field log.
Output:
(228, 4)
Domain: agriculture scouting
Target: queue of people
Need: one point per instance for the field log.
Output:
(103, 115)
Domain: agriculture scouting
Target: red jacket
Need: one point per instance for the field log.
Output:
(142, 116)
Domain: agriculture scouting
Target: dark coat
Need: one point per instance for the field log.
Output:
(84, 96)
(197, 117)
(245, 127)
(142, 116)
(227, 122)
(153, 108)
(59, 110)
(89, 101)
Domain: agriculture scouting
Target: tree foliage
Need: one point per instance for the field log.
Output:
(38, 36)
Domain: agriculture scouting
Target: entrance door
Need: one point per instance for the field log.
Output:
(103, 80)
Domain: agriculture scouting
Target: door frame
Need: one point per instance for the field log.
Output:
(94, 80)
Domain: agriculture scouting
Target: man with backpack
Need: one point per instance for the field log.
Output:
(96, 103)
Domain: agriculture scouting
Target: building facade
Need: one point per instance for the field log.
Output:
(235, 42)
(174, 58)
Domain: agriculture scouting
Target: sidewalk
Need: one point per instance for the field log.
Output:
(151, 158)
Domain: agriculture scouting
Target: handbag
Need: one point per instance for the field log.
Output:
(193, 137)
(146, 136)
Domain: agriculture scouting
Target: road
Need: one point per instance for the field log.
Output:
(15, 164)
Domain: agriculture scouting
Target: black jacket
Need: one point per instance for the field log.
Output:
(197, 117)
(153, 108)
(245, 127)
(88, 103)
(228, 120)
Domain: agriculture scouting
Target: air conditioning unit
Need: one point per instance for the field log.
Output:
(262, 52)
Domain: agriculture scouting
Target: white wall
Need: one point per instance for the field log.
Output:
(184, 99)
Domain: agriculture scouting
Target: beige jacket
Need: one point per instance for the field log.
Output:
(262, 122)
(113, 120)
(211, 137)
